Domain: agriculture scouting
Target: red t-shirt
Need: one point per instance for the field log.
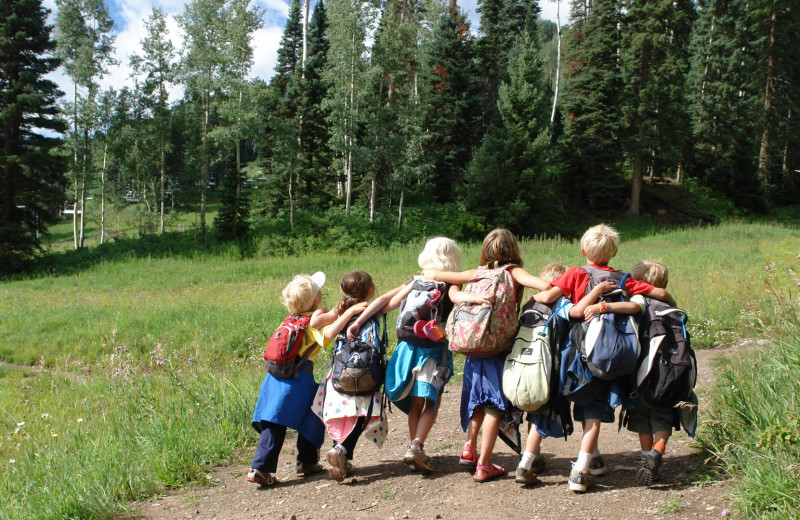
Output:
(573, 283)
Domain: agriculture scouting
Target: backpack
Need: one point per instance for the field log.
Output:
(533, 359)
(483, 330)
(608, 343)
(282, 348)
(425, 303)
(358, 365)
(668, 368)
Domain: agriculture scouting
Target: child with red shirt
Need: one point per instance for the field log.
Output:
(599, 244)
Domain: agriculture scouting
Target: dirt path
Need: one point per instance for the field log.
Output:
(384, 488)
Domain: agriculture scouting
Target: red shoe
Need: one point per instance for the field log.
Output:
(469, 456)
(487, 473)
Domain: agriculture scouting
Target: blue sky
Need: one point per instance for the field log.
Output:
(129, 17)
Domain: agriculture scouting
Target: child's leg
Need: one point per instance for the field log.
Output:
(661, 437)
(268, 447)
(429, 412)
(646, 441)
(491, 427)
(530, 458)
(307, 451)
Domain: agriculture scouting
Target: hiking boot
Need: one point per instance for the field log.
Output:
(579, 481)
(262, 479)
(304, 470)
(597, 466)
(526, 477)
(338, 461)
(648, 472)
(416, 458)
(538, 463)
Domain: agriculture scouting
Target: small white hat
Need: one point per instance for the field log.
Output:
(319, 280)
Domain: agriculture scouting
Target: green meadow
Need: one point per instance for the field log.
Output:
(140, 373)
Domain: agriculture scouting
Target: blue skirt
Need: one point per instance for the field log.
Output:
(408, 375)
(483, 386)
(288, 402)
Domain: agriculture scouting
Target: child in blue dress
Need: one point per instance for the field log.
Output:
(422, 365)
(286, 403)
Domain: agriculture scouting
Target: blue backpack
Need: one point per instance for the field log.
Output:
(608, 343)
(358, 365)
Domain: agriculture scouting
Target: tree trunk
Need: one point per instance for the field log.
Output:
(558, 61)
(638, 157)
(75, 169)
(400, 212)
(204, 168)
(307, 6)
(83, 184)
(372, 194)
(763, 156)
(163, 161)
(103, 193)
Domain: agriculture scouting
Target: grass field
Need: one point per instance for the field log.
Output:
(153, 364)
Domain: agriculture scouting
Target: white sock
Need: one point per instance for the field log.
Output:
(526, 461)
(582, 464)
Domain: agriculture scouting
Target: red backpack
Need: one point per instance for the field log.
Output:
(283, 346)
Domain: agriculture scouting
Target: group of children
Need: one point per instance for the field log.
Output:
(419, 368)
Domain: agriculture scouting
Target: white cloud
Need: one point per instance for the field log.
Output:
(265, 45)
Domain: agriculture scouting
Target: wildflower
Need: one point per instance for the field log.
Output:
(54, 434)
(21, 424)
(45, 415)
(726, 512)
(80, 419)
(12, 461)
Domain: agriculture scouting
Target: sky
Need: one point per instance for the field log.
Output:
(129, 17)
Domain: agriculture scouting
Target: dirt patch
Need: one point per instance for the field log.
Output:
(384, 488)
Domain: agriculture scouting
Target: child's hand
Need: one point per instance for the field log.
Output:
(483, 298)
(429, 274)
(606, 286)
(592, 310)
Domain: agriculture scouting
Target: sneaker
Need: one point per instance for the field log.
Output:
(338, 461)
(304, 470)
(538, 463)
(579, 481)
(648, 472)
(526, 477)
(416, 458)
(262, 479)
(597, 466)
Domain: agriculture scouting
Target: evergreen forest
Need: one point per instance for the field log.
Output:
(387, 120)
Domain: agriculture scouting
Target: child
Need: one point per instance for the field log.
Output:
(347, 416)
(531, 461)
(599, 244)
(653, 426)
(482, 401)
(419, 368)
(286, 403)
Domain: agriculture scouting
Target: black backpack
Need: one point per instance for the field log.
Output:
(358, 365)
(426, 301)
(667, 370)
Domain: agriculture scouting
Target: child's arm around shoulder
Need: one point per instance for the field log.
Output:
(577, 310)
(333, 330)
(523, 277)
(384, 303)
(449, 276)
(661, 294)
(549, 296)
(322, 317)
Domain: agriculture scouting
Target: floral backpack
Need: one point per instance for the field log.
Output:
(483, 330)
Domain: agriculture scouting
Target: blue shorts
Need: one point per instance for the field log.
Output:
(601, 411)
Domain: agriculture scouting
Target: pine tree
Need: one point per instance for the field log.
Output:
(452, 102)
(723, 102)
(591, 103)
(31, 176)
(655, 61)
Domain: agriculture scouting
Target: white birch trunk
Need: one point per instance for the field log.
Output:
(103, 194)
(400, 211)
(558, 61)
(372, 194)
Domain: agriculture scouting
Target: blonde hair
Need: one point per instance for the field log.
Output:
(600, 243)
(500, 248)
(652, 271)
(355, 287)
(440, 253)
(552, 271)
(300, 294)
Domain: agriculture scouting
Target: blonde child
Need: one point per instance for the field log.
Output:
(539, 427)
(346, 416)
(286, 403)
(483, 404)
(654, 427)
(599, 244)
(419, 368)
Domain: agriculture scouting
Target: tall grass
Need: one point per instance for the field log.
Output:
(141, 373)
(754, 426)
